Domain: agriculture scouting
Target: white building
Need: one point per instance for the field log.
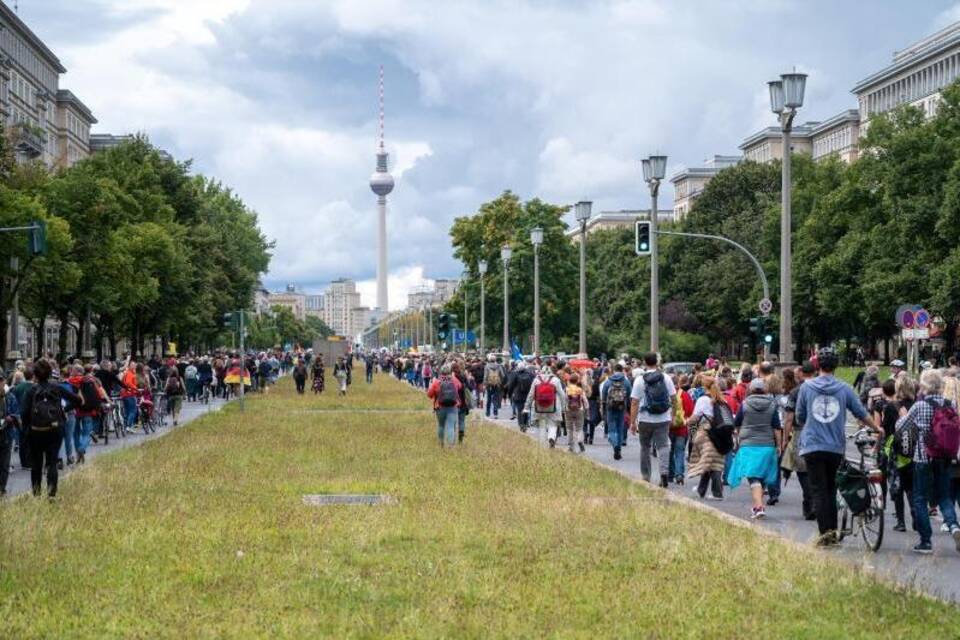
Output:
(689, 183)
(339, 302)
(292, 299)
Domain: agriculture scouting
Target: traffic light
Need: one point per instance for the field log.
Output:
(37, 238)
(443, 326)
(756, 326)
(231, 321)
(643, 237)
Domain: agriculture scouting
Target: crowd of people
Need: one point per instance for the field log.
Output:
(721, 427)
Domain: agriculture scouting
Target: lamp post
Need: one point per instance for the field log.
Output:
(654, 169)
(582, 212)
(466, 280)
(482, 267)
(505, 253)
(536, 239)
(786, 96)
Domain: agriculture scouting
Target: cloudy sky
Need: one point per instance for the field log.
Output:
(278, 99)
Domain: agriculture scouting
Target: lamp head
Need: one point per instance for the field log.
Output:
(647, 169)
(794, 85)
(536, 236)
(482, 267)
(658, 167)
(776, 96)
(582, 210)
(505, 253)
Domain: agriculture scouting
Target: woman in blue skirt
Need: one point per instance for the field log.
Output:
(760, 437)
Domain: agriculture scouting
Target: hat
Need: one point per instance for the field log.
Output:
(757, 384)
(926, 364)
(898, 363)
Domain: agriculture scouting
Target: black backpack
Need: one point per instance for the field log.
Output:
(88, 391)
(617, 394)
(447, 393)
(656, 395)
(47, 410)
(721, 428)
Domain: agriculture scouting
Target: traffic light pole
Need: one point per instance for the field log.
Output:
(243, 361)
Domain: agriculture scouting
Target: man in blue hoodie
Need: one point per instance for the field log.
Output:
(822, 410)
(615, 399)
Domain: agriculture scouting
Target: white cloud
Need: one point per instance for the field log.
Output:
(399, 284)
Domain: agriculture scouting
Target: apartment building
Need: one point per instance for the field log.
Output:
(313, 305)
(48, 123)
(292, 299)
(688, 183)
(339, 302)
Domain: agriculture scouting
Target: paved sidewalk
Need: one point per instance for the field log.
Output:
(19, 482)
(938, 575)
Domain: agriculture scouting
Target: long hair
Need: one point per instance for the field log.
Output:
(711, 388)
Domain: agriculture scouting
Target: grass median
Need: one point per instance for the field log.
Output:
(204, 533)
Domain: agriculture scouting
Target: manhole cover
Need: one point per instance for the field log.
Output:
(326, 499)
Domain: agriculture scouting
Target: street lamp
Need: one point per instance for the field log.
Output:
(786, 96)
(654, 169)
(466, 281)
(505, 253)
(536, 238)
(482, 267)
(582, 213)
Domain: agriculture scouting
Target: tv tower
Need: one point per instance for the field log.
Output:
(381, 183)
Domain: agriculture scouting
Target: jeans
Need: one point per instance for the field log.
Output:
(6, 448)
(301, 384)
(615, 427)
(493, 401)
(678, 456)
(369, 376)
(822, 473)
(24, 448)
(657, 434)
(462, 421)
(130, 410)
(932, 479)
(87, 425)
(575, 428)
(447, 425)
(44, 447)
(517, 407)
(727, 461)
(69, 435)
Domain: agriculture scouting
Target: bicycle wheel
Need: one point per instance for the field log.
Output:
(105, 428)
(843, 519)
(871, 521)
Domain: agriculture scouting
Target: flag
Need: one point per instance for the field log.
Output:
(515, 353)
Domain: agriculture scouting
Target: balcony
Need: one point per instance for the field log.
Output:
(29, 140)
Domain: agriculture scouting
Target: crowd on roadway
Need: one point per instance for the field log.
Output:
(722, 427)
(52, 412)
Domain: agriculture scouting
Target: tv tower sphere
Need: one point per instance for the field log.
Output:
(381, 182)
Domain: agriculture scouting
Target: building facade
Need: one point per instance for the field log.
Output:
(48, 123)
(916, 75)
(837, 136)
(313, 305)
(444, 289)
(689, 183)
(623, 219)
(339, 302)
(766, 145)
(292, 299)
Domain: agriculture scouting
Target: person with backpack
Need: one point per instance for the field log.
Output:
(467, 391)
(174, 391)
(577, 407)
(613, 396)
(897, 467)
(546, 403)
(300, 376)
(822, 407)
(88, 413)
(713, 424)
(760, 442)
(679, 431)
(9, 422)
(651, 413)
(44, 416)
(520, 383)
(445, 391)
(930, 433)
(493, 379)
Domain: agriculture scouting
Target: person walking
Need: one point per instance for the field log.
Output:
(651, 412)
(317, 373)
(9, 423)
(88, 413)
(174, 390)
(520, 382)
(822, 406)
(614, 393)
(760, 438)
(930, 433)
(300, 376)
(493, 379)
(679, 431)
(465, 395)
(44, 414)
(445, 391)
(705, 461)
(546, 403)
(340, 373)
(577, 407)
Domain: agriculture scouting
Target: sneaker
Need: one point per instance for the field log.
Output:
(552, 442)
(828, 539)
(664, 481)
(714, 498)
(772, 502)
(955, 533)
(900, 527)
(582, 448)
(924, 549)
(758, 513)
(616, 453)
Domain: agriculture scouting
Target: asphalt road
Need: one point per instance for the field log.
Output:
(19, 482)
(938, 575)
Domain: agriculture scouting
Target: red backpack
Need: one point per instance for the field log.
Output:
(545, 396)
(943, 440)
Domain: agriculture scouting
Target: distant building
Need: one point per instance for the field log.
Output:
(359, 321)
(292, 299)
(49, 124)
(339, 302)
(261, 300)
(444, 289)
(623, 219)
(838, 136)
(766, 145)
(313, 305)
(916, 75)
(421, 297)
(688, 183)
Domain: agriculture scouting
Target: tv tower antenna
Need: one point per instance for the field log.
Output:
(382, 118)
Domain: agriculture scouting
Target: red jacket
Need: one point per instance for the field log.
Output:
(434, 389)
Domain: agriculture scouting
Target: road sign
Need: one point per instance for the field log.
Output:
(908, 319)
(458, 337)
(922, 318)
(916, 334)
(766, 306)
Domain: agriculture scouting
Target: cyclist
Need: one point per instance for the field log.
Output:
(822, 406)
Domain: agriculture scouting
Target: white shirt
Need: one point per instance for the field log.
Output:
(638, 394)
(703, 408)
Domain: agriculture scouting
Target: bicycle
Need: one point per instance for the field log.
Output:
(115, 418)
(861, 502)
